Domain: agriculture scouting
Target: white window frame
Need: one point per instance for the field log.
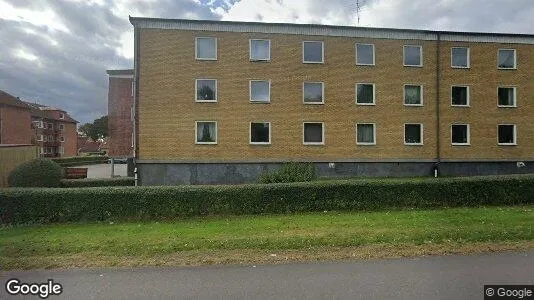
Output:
(61, 127)
(196, 48)
(468, 95)
(468, 58)
(422, 136)
(313, 143)
(250, 90)
(374, 93)
(404, 56)
(515, 59)
(322, 91)
(374, 135)
(61, 116)
(468, 134)
(216, 91)
(322, 53)
(216, 132)
(404, 94)
(356, 51)
(250, 133)
(41, 124)
(250, 50)
(62, 139)
(515, 96)
(515, 135)
(40, 138)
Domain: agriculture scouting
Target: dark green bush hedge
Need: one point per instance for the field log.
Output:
(40, 172)
(95, 182)
(155, 203)
(80, 160)
(290, 172)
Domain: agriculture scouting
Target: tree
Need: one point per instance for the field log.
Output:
(96, 130)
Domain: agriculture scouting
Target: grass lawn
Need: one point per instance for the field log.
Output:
(270, 238)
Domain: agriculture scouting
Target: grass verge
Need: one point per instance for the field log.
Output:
(269, 238)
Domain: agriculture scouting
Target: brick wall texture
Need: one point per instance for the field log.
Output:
(15, 125)
(120, 102)
(167, 108)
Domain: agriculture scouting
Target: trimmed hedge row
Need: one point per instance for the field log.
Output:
(80, 160)
(96, 182)
(155, 203)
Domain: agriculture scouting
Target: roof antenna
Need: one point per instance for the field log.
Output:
(358, 9)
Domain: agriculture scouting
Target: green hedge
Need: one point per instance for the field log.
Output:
(40, 172)
(290, 172)
(80, 160)
(95, 182)
(155, 203)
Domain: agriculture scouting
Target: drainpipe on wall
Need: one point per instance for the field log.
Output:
(135, 103)
(438, 124)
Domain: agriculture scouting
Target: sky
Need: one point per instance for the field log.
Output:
(56, 52)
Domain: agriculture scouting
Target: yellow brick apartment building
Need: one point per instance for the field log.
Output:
(221, 102)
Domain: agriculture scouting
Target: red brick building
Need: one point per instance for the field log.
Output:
(120, 113)
(49, 128)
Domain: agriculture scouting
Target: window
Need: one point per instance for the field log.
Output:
(413, 95)
(507, 97)
(50, 138)
(365, 134)
(460, 57)
(260, 133)
(206, 132)
(507, 59)
(61, 127)
(62, 139)
(41, 124)
(507, 134)
(413, 56)
(413, 134)
(365, 93)
(206, 48)
(206, 90)
(312, 52)
(41, 150)
(460, 96)
(460, 134)
(260, 91)
(40, 138)
(61, 115)
(260, 50)
(313, 92)
(365, 54)
(313, 133)
(45, 138)
(49, 125)
(61, 150)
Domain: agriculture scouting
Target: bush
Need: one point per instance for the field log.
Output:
(290, 172)
(80, 160)
(94, 182)
(39, 172)
(37, 205)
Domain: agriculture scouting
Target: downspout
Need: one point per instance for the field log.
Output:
(136, 100)
(438, 94)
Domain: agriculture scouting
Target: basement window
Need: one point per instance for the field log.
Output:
(413, 56)
(260, 133)
(365, 54)
(260, 91)
(313, 92)
(507, 96)
(460, 134)
(365, 94)
(260, 50)
(365, 134)
(460, 57)
(413, 134)
(507, 59)
(413, 95)
(313, 52)
(206, 132)
(507, 134)
(206, 48)
(313, 133)
(460, 96)
(206, 90)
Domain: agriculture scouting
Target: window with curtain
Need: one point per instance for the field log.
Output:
(412, 95)
(207, 132)
(460, 134)
(313, 133)
(507, 96)
(460, 57)
(413, 134)
(365, 134)
(206, 90)
(507, 134)
(313, 92)
(365, 93)
(260, 50)
(413, 56)
(460, 96)
(507, 59)
(365, 54)
(260, 91)
(260, 133)
(206, 48)
(312, 52)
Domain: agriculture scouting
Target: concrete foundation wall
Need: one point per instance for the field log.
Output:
(236, 173)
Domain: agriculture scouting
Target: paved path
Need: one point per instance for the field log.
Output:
(104, 170)
(449, 277)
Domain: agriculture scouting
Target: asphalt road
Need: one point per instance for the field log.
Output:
(449, 277)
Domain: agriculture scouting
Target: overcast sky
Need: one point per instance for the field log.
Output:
(56, 52)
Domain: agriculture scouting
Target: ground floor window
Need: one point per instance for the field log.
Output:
(507, 134)
(260, 133)
(460, 134)
(313, 133)
(206, 132)
(365, 134)
(413, 134)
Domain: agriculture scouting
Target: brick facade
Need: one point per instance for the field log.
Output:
(15, 125)
(120, 104)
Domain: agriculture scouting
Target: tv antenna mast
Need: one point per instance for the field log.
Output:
(359, 8)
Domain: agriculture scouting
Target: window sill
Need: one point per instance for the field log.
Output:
(366, 65)
(506, 144)
(206, 101)
(459, 144)
(260, 60)
(206, 143)
(507, 106)
(260, 102)
(507, 69)
(259, 144)
(413, 144)
(366, 144)
(461, 106)
(313, 103)
(366, 104)
(313, 144)
(460, 67)
(413, 66)
(414, 105)
(313, 62)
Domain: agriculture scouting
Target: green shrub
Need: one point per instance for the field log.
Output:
(37, 205)
(290, 172)
(80, 160)
(39, 172)
(94, 182)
